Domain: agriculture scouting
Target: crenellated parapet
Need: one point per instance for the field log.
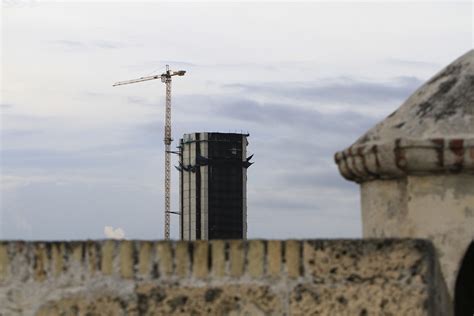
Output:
(219, 277)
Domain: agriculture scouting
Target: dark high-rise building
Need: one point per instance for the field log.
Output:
(213, 186)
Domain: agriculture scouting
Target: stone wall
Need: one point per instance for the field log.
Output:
(438, 207)
(330, 277)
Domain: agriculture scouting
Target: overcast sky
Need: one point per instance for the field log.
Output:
(305, 80)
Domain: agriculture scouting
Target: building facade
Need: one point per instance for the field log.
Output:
(213, 186)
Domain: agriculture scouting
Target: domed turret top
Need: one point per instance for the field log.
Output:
(432, 132)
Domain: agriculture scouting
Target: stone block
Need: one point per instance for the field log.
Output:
(4, 261)
(108, 248)
(40, 262)
(165, 258)
(200, 259)
(237, 257)
(274, 258)
(57, 252)
(255, 258)
(218, 258)
(144, 258)
(293, 258)
(126, 259)
(182, 259)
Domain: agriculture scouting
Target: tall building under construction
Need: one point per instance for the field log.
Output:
(213, 186)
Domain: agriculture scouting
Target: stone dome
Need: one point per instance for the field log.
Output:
(431, 132)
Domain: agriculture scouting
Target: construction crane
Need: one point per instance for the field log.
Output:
(166, 79)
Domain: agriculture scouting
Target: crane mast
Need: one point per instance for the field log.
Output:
(166, 79)
(167, 141)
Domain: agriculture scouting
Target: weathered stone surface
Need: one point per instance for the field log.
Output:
(218, 261)
(335, 277)
(237, 257)
(293, 258)
(200, 259)
(144, 259)
(256, 259)
(4, 262)
(274, 257)
(150, 299)
(437, 207)
(346, 300)
(126, 259)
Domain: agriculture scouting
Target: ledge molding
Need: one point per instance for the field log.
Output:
(402, 157)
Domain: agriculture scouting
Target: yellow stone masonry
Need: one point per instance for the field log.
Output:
(257, 277)
(199, 259)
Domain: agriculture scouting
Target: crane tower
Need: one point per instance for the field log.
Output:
(166, 79)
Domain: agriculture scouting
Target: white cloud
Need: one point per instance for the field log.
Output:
(112, 233)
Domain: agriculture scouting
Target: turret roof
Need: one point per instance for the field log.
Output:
(431, 132)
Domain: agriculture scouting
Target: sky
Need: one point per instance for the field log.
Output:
(81, 159)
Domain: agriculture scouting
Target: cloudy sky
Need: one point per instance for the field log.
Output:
(305, 80)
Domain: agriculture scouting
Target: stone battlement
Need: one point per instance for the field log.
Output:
(258, 277)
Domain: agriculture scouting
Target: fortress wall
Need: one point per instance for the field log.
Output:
(332, 277)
